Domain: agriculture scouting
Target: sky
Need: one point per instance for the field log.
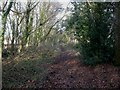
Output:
(64, 4)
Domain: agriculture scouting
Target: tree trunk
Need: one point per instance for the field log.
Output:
(4, 18)
(1, 47)
(2, 31)
(13, 37)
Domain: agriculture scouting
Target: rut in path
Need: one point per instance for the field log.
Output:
(68, 72)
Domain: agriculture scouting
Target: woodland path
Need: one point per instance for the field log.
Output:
(68, 72)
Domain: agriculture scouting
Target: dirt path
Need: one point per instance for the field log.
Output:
(68, 72)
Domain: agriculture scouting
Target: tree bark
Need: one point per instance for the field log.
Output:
(13, 37)
(2, 31)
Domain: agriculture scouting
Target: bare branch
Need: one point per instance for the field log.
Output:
(44, 38)
(17, 12)
(5, 5)
(8, 9)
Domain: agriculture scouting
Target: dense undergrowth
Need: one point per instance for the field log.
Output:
(30, 66)
(27, 67)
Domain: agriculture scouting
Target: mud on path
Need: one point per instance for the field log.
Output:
(68, 72)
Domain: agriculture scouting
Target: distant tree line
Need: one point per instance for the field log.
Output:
(26, 24)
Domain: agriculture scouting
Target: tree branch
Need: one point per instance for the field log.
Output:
(8, 9)
(44, 38)
(26, 10)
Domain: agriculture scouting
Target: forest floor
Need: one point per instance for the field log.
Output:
(68, 72)
(65, 71)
